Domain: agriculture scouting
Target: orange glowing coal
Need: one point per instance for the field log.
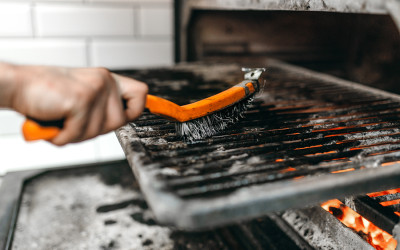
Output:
(343, 170)
(288, 169)
(390, 191)
(375, 236)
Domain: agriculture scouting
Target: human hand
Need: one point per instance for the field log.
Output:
(87, 99)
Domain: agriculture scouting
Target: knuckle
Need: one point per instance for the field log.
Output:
(143, 88)
(102, 73)
(98, 84)
(99, 79)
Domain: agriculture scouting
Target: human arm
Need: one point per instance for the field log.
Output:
(88, 99)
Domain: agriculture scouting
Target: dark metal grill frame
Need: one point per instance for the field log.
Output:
(12, 189)
(185, 202)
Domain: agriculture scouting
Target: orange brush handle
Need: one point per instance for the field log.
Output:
(35, 130)
(172, 111)
(38, 130)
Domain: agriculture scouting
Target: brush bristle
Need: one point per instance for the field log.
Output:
(214, 123)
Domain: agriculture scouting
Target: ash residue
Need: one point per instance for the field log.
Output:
(235, 157)
(153, 141)
(108, 216)
(243, 165)
(104, 221)
(143, 128)
(380, 148)
(238, 167)
(169, 172)
(190, 171)
(373, 134)
(379, 140)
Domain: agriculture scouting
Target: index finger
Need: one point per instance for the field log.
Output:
(134, 92)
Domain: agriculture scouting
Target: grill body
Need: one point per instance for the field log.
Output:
(307, 138)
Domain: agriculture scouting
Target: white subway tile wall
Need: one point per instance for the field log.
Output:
(15, 20)
(131, 53)
(152, 21)
(117, 34)
(49, 51)
(83, 20)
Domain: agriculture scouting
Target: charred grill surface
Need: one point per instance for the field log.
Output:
(298, 127)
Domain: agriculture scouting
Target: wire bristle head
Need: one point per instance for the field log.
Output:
(214, 123)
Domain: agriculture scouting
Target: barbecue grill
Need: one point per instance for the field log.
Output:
(308, 137)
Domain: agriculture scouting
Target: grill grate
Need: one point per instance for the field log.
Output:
(300, 136)
(389, 199)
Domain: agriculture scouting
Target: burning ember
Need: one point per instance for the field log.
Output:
(375, 236)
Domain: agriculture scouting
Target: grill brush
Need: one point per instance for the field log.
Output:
(194, 121)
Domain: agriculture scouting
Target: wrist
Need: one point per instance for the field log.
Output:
(8, 76)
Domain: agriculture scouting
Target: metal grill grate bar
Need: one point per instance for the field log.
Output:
(388, 197)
